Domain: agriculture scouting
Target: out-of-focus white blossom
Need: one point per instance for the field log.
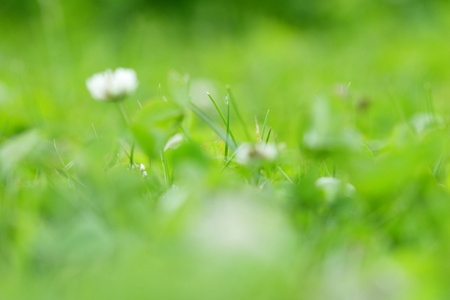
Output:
(332, 186)
(141, 168)
(112, 85)
(232, 223)
(174, 142)
(143, 171)
(250, 153)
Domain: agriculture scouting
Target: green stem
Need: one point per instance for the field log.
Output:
(165, 170)
(211, 124)
(238, 114)
(123, 113)
(265, 124)
(222, 116)
(228, 130)
(132, 153)
(268, 135)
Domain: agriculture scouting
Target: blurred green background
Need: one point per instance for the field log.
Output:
(274, 54)
(74, 225)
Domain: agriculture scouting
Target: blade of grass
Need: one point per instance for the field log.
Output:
(132, 153)
(228, 130)
(221, 115)
(123, 113)
(211, 124)
(58, 154)
(165, 171)
(326, 169)
(258, 136)
(437, 165)
(124, 150)
(230, 159)
(238, 114)
(268, 135)
(126, 120)
(185, 132)
(285, 175)
(265, 124)
(217, 107)
(93, 128)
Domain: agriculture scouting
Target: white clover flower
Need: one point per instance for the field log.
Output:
(249, 153)
(112, 85)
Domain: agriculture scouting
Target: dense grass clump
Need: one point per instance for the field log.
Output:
(233, 150)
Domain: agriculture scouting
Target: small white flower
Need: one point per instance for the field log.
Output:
(332, 186)
(112, 85)
(248, 153)
(141, 168)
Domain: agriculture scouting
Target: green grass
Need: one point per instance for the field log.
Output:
(357, 93)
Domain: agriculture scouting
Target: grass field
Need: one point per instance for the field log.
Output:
(311, 159)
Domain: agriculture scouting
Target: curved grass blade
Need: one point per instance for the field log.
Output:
(225, 122)
(268, 135)
(228, 130)
(211, 124)
(238, 114)
(264, 124)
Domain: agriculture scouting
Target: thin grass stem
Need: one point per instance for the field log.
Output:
(238, 114)
(228, 130)
(230, 159)
(164, 167)
(264, 124)
(258, 136)
(185, 132)
(211, 124)
(285, 175)
(268, 135)
(225, 122)
(217, 108)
